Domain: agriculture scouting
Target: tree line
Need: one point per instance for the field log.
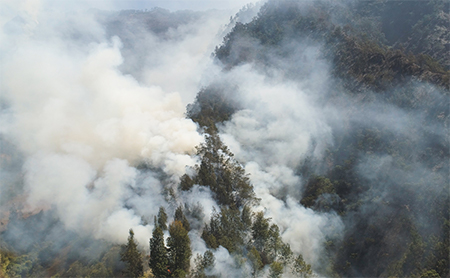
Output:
(250, 236)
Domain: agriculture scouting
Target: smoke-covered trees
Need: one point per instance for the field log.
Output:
(212, 105)
(386, 178)
(301, 268)
(234, 226)
(222, 174)
(267, 242)
(276, 270)
(203, 264)
(219, 171)
(253, 237)
(260, 231)
(179, 216)
(132, 258)
(226, 229)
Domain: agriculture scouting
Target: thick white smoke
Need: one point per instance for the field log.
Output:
(84, 126)
(272, 136)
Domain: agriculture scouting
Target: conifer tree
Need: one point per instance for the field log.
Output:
(179, 216)
(186, 182)
(255, 260)
(276, 269)
(158, 254)
(162, 218)
(179, 249)
(260, 231)
(301, 268)
(246, 217)
(132, 258)
(273, 244)
(203, 264)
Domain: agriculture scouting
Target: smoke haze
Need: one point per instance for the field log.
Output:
(93, 124)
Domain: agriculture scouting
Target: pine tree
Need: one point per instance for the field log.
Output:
(246, 217)
(186, 182)
(203, 264)
(301, 268)
(179, 216)
(223, 174)
(260, 231)
(162, 218)
(273, 244)
(179, 249)
(158, 254)
(276, 269)
(132, 258)
(255, 260)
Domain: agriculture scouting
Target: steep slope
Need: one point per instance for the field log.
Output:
(386, 172)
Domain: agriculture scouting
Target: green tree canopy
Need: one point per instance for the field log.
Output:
(179, 249)
(132, 258)
(162, 218)
(159, 261)
(179, 216)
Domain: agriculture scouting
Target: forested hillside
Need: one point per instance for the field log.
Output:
(312, 142)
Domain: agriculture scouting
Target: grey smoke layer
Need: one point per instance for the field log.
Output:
(93, 125)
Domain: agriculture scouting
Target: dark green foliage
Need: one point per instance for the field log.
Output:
(162, 219)
(301, 268)
(260, 231)
(378, 67)
(246, 217)
(213, 230)
(361, 60)
(180, 252)
(267, 241)
(255, 260)
(179, 216)
(159, 262)
(208, 260)
(212, 105)
(186, 182)
(173, 260)
(226, 229)
(132, 258)
(397, 221)
(223, 174)
(274, 245)
(315, 187)
(276, 269)
(203, 264)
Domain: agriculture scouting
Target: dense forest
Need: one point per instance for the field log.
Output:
(312, 141)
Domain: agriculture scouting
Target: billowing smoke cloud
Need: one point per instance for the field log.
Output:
(284, 121)
(96, 125)
(293, 111)
(83, 126)
(85, 109)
